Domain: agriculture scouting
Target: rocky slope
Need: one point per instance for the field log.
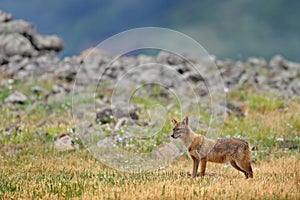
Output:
(25, 54)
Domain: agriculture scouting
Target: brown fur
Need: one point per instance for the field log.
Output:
(202, 149)
(194, 146)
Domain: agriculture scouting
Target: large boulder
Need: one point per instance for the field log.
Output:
(16, 98)
(279, 62)
(15, 44)
(19, 37)
(17, 26)
(47, 42)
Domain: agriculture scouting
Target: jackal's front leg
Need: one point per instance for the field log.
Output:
(195, 167)
(203, 166)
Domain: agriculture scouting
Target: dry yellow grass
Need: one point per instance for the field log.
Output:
(278, 120)
(63, 176)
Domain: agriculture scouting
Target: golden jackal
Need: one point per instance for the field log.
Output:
(202, 149)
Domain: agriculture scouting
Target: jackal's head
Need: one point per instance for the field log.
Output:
(180, 128)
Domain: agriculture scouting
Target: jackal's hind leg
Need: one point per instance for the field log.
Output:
(246, 166)
(233, 164)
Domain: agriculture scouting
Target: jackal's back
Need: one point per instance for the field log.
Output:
(227, 149)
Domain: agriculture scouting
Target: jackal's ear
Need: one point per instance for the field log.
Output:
(186, 121)
(174, 121)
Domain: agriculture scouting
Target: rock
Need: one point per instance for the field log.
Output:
(252, 61)
(130, 111)
(31, 66)
(201, 89)
(67, 73)
(168, 151)
(57, 89)
(15, 66)
(38, 90)
(15, 59)
(107, 115)
(16, 98)
(193, 76)
(232, 75)
(91, 60)
(11, 129)
(47, 58)
(47, 42)
(104, 116)
(67, 70)
(5, 17)
(144, 59)
(244, 78)
(153, 73)
(65, 142)
(181, 69)
(15, 44)
(17, 26)
(225, 63)
(276, 61)
(45, 63)
(23, 74)
(279, 62)
(168, 58)
(294, 86)
(259, 79)
(3, 59)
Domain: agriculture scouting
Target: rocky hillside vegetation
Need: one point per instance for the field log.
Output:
(24, 52)
(32, 73)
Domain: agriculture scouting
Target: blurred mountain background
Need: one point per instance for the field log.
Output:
(229, 29)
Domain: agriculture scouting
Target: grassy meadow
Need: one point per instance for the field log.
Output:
(31, 167)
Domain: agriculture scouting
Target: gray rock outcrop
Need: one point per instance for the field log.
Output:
(25, 53)
(18, 37)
